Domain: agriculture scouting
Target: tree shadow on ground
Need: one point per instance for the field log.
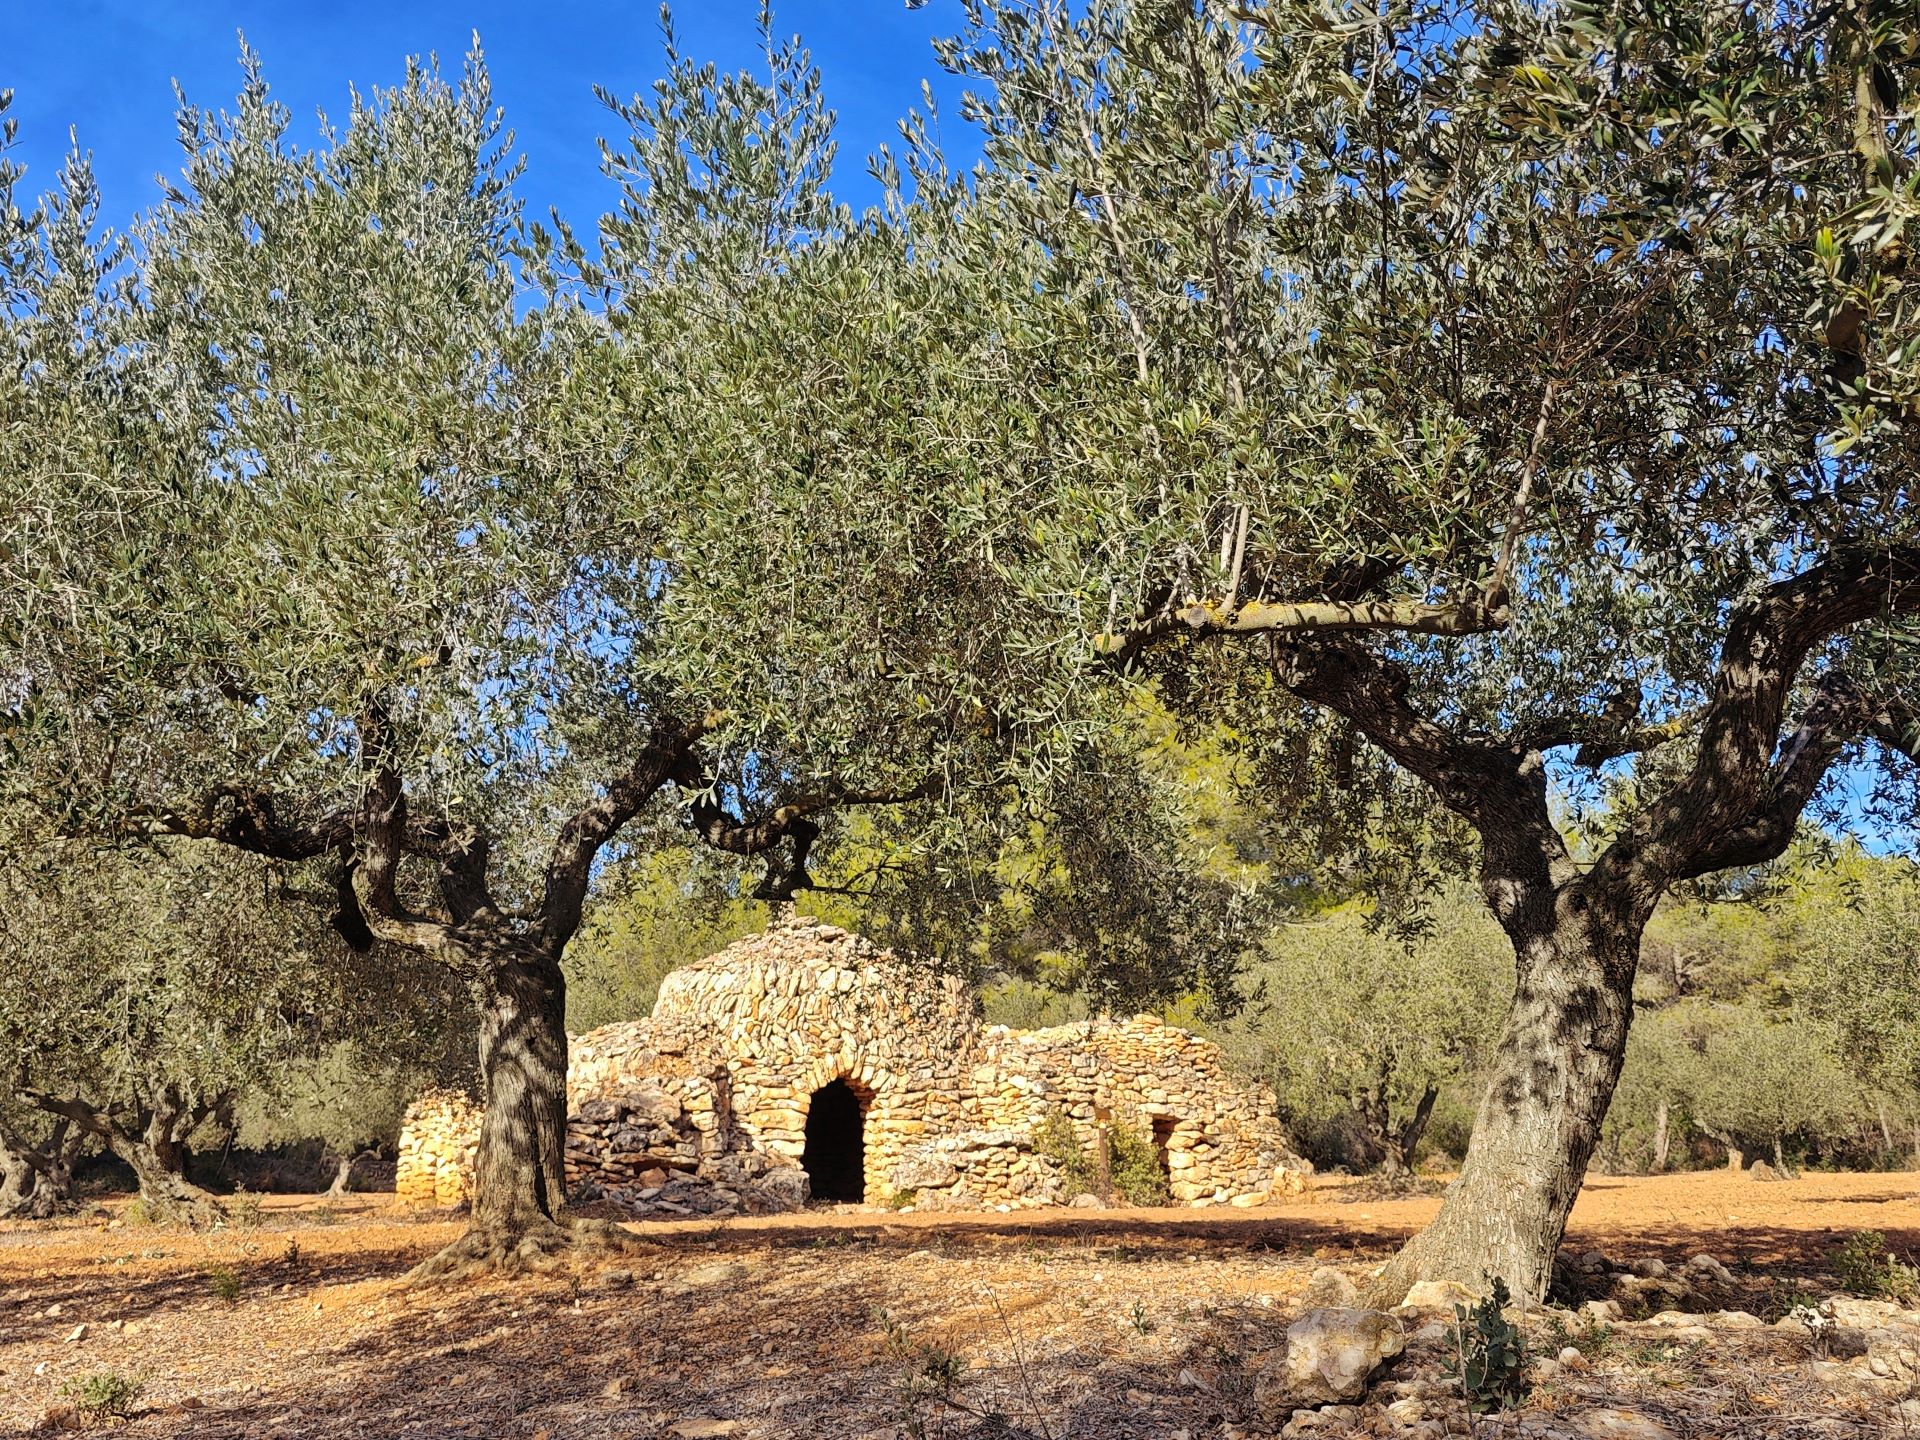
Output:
(105, 1296)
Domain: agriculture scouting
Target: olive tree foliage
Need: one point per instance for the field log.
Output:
(1862, 974)
(1510, 395)
(145, 995)
(1361, 1030)
(320, 543)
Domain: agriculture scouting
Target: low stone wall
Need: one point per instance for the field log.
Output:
(439, 1136)
(704, 1107)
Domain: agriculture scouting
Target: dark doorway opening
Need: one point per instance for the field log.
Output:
(1163, 1128)
(835, 1157)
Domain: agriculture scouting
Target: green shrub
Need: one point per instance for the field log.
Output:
(104, 1395)
(1133, 1162)
(225, 1283)
(1057, 1140)
(1866, 1267)
(1489, 1360)
(140, 1212)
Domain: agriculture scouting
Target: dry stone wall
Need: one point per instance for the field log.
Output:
(704, 1107)
(438, 1138)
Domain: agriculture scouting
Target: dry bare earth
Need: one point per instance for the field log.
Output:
(1110, 1324)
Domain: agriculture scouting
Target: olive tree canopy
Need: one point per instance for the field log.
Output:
(1516, 398)
(350, 520)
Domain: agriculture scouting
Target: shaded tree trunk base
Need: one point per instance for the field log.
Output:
(1473, 1259)
(540, 1247)
(173, 1199)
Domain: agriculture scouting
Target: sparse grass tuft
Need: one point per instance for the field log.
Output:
(1591, 1336)
(1784, 1296)
(225, 1282)
(243, 1209)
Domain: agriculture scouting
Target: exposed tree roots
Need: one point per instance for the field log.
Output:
(542, 1247)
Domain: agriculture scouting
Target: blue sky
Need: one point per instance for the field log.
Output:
(106, 68)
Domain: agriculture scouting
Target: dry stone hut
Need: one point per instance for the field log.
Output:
(806, 1062)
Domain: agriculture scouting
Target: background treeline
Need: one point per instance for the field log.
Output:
(1777, 1009)
(179, 1017)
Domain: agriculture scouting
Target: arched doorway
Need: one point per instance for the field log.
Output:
(835, 1157)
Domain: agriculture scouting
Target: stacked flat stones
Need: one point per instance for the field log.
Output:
(702, 1108)
(438, 1138)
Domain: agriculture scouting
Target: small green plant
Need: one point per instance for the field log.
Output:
(929, 1374)
(104, 1395)
(225, 1283)
(1489, 1359)
(140, 1212)
(1865, 1267)
(901, 1199)
(293, 1257)
(1140, 1320)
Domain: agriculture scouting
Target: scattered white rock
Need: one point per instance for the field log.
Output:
(1329, 1355)
(1440, 1295)
(1709, 1266)
(1329, 1287)
(1609, 1423)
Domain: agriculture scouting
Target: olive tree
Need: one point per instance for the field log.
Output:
(1359, 1025)
(350, 520)
(1862, 976)
(1515, 400)
(144, 995)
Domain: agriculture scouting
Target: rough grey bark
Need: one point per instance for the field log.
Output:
(1552, 1077)
(17, 1184)
(36, 1179)
(519, 1172)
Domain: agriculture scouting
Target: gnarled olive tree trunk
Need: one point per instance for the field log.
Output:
(1553, 1075)
(519, 1181)
(150, 1140)
(18, 1200)
(1394, 1145)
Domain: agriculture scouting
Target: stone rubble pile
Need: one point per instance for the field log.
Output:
(703, 1107)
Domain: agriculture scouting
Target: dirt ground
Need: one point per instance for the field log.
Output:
(1040, 1324)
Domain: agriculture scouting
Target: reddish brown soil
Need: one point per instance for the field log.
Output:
(1071, 1323)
